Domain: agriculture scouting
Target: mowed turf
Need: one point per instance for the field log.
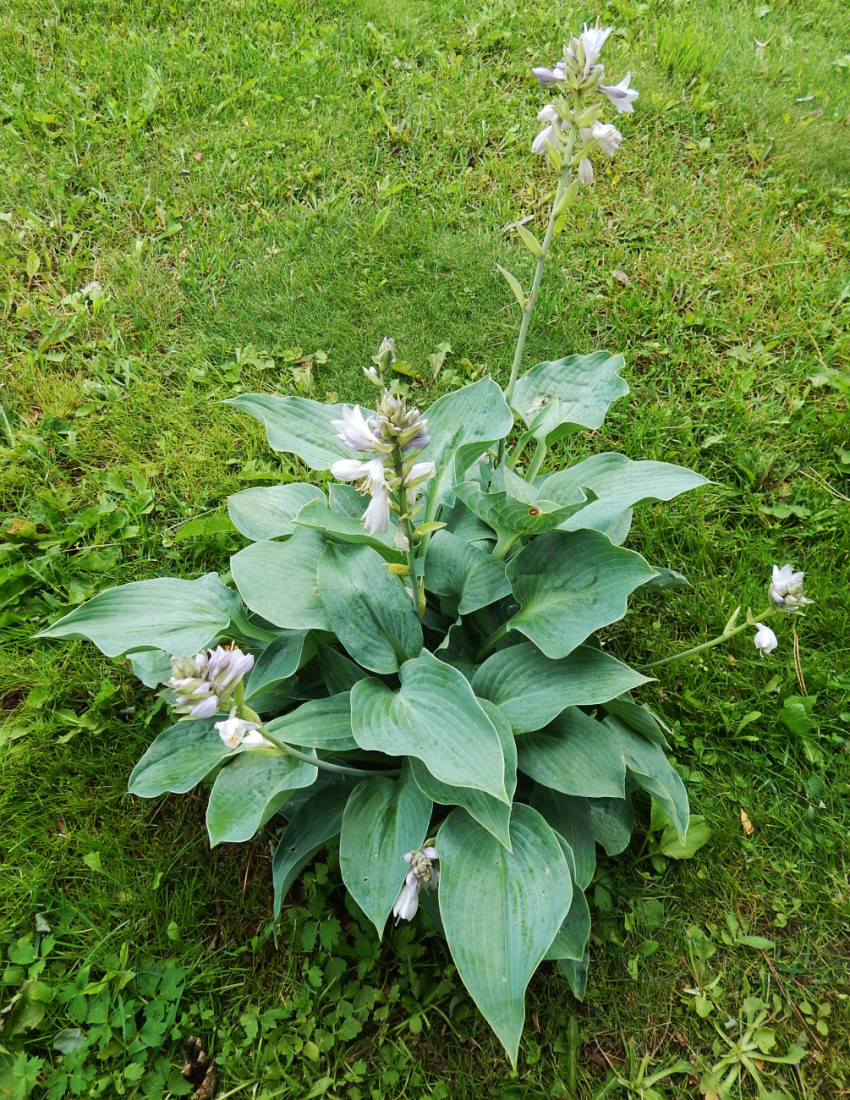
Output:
(207, 199)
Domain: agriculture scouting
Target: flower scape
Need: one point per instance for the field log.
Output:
(407, 663)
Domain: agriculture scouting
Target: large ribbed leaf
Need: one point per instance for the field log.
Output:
(435, 717)
(574, 933)
(560, 396)
(316, 821)
(298, 426)
(179, 758)
(368, 608)
(518, 509)
(318, 724)
(494, 815)
(620, 484)
(174, 615)
(277, 665)
(267, 512)
(249, 790)
(383, 820)
(501, 910)
(570, 817)
(462, 425)
(531, 689)
(461, 570)
(279, 581)
(347, 528)
(575, 754)
(652, 771)
(569, 584)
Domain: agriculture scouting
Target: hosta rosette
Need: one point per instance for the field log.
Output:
(407, 663)
(443, 711)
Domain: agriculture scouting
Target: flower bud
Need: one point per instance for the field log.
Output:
(765, 640)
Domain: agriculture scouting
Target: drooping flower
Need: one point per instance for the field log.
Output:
(621, 95)
(585, 170)
(547, 136)
(606, 137)
(421, 873)
(786, 589)
(765, 640)
(592, 41)
(402, 542)
(356, 433)
(555, 75)
(205, 684)
(372, 478)
(236, 731)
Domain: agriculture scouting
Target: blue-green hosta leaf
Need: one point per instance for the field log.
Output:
(316, 821)
(249, 790)
(338, 671)
(501, 910)
(466, 525)
(568, 585)
(666, 580)
(575, 754)
(494, 815)
(612, 821)
(297, 425)
(151, 666)
(173, 615)
(317, 724)
(652, 771)
(637, 717)
(277, 665)
(179, 758)
(279, 581)
(513, 515)
(367, 608)
(569, 816)
(459, 569)
(384, 819)
(574, 933)
(347, 528)
(462, 425)
(435, 717)
(557, 397)
(620, 484)
(267, 512)
(531, 689)
(576, 974)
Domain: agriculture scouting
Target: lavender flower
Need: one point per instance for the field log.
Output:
(621, 95)
(421, 873)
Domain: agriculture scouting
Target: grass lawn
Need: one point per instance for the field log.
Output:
(199, 200)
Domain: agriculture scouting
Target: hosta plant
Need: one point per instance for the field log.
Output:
(404, 659)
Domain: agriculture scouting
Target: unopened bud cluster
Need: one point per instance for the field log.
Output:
(206, 683)
(395, 433)
(580, 74)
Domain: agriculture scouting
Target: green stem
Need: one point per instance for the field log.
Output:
(407, 528)
(324, 765)
(536, 461)
(714, 641)
(563, 180)
(491, 643)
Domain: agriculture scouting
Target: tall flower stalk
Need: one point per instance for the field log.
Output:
(572, 132)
